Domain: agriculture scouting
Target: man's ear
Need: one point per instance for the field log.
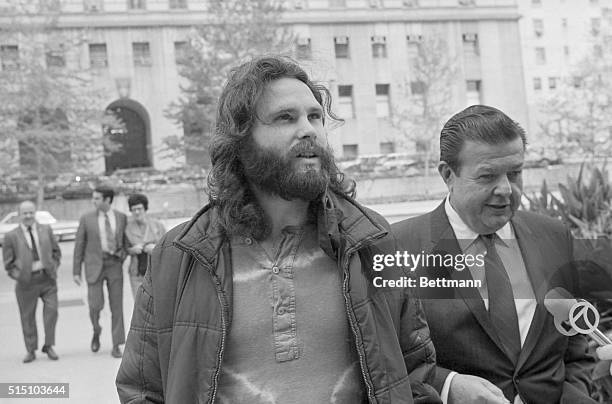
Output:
(447, 174)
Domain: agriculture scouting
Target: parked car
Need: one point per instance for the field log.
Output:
(63, 229)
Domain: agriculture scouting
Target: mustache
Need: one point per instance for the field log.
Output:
(307, 145)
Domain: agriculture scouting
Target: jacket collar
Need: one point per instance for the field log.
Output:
(342, 224)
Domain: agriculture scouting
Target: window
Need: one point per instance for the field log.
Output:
(417, 87)
(470, 43)
(410, 3)
(540, 55)
(97, 55)
(595, 25)
(345, 101)
(337, 3)
(536, 3)
(9, 56)
(350, 151)
(552, 83)
(537, 83)
(383, 105)
(566, 51)
(142, 54)
(538, 27)
(387, 147)
(303, 49)
(180, 48)
(379, 47)
(473, 92)
(414, 42)
(177, 4)
(300, 4)
(136, 4)
(341, 47)
(376, 3)
(93, 6)
(55, 57)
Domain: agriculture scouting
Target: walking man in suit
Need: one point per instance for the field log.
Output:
(31, 257)
(100, 245)
(495, 342)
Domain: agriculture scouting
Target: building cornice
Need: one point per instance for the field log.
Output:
(186, 18)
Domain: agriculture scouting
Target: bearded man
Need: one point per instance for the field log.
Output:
(266, 295)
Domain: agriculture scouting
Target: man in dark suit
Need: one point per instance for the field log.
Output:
(494, 339)
(31, 257)
(100, 245)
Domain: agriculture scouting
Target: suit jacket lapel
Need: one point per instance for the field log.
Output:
(445, 242)
(536, 269)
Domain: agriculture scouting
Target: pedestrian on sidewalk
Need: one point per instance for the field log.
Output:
(142, 233)
(100, 245)
(31, 257)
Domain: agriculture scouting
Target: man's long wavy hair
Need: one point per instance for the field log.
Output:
(229, 191)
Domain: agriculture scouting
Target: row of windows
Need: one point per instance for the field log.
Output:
(377, 3)
(553, 82)
(540, 53)
(98, 55)
(342, 48)
(538, 3)
(538, 26)
(346, 108)
(141, 51)
(98, 5)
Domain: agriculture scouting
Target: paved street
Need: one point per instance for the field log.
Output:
(91, 375)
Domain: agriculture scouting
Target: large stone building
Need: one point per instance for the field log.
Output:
(360, 48)
(555, 36)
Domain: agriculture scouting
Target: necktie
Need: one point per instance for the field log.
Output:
(502, 310)
(35, 256)
(110, 236)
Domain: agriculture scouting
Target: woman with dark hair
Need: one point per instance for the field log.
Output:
(142, 233)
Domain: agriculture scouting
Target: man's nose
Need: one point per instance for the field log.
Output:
(306, 129)
(503, 186)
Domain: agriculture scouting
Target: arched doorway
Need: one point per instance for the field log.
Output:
(133, 140)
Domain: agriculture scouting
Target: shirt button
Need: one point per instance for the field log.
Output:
(275, 269)
(248, 241)
(281, 311)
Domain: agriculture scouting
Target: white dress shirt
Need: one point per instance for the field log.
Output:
(36, 265)
(508, 249)
(102, 228)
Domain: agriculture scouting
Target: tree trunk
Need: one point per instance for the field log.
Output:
(40, 191)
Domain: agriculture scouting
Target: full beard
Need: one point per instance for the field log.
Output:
(277, 174)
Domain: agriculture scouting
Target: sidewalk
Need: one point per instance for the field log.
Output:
(91, 375)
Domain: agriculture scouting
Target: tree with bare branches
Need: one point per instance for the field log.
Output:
(236, 30)
(424, 99)
(51, 112)
(578, 114)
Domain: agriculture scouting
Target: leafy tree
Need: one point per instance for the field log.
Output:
(424, 99)
(236, 30)
(578, 114)
(50, 111)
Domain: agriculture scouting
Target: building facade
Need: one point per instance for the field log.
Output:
(360, 48)
(556, 35)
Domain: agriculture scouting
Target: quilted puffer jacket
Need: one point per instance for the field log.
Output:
(182, 316)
